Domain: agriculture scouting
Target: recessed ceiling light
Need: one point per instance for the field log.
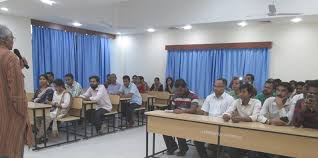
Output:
(4, 9)
(118, 33)
(187, 27)
(48, 2)
(242, 24)
(76, 24)
(151, 30)
(296, 20)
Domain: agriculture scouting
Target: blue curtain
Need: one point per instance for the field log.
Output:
(68, 52)
(200, 68)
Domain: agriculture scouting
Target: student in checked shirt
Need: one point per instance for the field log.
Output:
(184, 101)
(245, 109)
(276, 110)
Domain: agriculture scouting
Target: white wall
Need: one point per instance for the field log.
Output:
(21, 28)
(293, 56)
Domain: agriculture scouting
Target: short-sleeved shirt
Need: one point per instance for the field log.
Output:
(252, 109)
(113, 88)
(216, 106)
(261, 97)
(75, 89)
(188, 100)
(132, 88)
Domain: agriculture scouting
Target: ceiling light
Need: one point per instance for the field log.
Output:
(296, 20)
(151, 30)
(2, 1)
(4, 9)
(48, 2)
(118, 33)
(76, 24)
(242, 24)
(187, 27)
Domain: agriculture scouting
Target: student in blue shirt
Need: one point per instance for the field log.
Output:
(129, 90)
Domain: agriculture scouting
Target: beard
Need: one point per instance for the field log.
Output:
(93, 86)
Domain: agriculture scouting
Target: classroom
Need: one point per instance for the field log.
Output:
(158, 78)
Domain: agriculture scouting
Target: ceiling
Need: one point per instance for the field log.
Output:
(135, 16)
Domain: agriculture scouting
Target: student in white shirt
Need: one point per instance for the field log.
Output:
(214, 105)
(276, 110)
(245, 109)
(97, 93)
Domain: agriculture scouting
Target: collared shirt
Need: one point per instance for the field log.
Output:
(113, 88)
(271, 110)
(187, 101)
(216, 106)
(306, 119)
(132, 88)
(57, 99)
(252, 109)
(261, 97)
(75, 89)
(99, 95)
(233, 94)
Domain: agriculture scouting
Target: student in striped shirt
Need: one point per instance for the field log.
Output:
(184, 101)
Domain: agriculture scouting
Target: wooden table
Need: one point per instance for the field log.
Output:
(287, 141)
(35, 107)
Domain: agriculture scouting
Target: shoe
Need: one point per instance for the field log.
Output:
(181, 153)
(171, 151)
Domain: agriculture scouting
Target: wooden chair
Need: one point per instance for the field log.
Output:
(162, 100)
(115, 100)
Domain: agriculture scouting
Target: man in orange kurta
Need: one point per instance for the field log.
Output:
(15, 129)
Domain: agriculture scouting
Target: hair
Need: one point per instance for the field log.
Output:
(5, 34)
(135, 76)
(223, 80)
(157, 78)
(126, 77)
(249, 88)
(252, 76)
(59, 82)
(169, 78)
(269, 82)
(69, 75)
(292, 82)
(45, 76)
(50, 73)
(94, 77)
(312, 83)
(300, 83)
(180, 83)
(107, 76)
(276, 82)
(141, 78)
(287, 86)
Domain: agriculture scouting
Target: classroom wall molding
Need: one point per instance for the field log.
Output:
(267, 44)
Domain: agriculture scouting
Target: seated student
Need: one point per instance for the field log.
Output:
(156, 86)
(183, 101)
(306, 110)
(249, 78)
(276, 110)
(107, 82)
(61, 104)
(267, 92)
(72, 86)
(114, 86)
(134, 79)
(300, 87)
(301, 95)
(140, 86)
(235, 85)
(245, 109)
(169, 85)
(226, 89)
(98, 93)
(129, 90)
(293, 85)
(50, 76)
(214, 105)
(142, 81)
(45, 93)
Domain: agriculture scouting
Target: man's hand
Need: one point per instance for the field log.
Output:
(277, 122)
(226, 117)
(178, 111)
(236, 119)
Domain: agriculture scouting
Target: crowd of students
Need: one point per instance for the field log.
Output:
(279, 103)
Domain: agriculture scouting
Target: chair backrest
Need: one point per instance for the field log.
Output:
(115, 100)
(160, 95)
(77, 105)
(144, 97)
(30, 96)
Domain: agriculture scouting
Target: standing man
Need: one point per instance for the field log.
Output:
(15, 128)
(72, 86)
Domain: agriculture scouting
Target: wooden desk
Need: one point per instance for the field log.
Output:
(194, 127)
(287, 141)
(36, 107)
